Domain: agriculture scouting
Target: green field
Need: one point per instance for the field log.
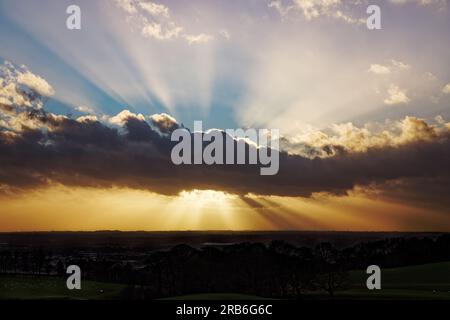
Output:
(47, 287)
(429, 281)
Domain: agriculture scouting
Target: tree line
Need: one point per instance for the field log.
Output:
(278, 269)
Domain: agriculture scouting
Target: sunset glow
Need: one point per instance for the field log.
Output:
(87, 115)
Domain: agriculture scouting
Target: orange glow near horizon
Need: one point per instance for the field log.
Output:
(84, 209)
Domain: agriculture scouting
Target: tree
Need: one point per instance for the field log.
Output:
(331, 278)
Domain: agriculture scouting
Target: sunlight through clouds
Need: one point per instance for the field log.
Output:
(86, 115)
(144, 72)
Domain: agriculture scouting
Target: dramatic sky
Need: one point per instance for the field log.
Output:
(86, 115)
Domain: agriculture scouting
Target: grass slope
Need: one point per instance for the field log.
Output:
(47, 287)
(428, 281)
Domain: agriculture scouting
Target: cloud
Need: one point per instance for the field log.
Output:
(22, 88)
(337, 9)
(127, 6)
(385, 69)
(88, 118)
(9, 94)
(155, 9)
(89, 153)
(199, 38)
(155, 21)
(38, 149)
(164, 122)
(35, 83)
(400, 79)
(420, 2)
(313, 9)
(346, 18)
(280, 7)
(400, 65)
(122, 117)
(446, 89)
(84, 109)
(155, 30)
(379, 69)
(396, 96)
(127, 151)
(349, 138)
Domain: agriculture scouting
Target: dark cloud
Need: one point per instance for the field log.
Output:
(38, 148)
(91, 153)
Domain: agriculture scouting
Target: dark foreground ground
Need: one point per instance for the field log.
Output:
(224, 265)
(429, 281)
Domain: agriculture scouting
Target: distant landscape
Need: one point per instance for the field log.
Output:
(213, 265)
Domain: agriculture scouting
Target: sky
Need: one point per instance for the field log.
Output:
(86, 115)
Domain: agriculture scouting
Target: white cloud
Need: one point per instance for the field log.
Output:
(127, 6)
(88, 118)
(385, 69)
(155, 30)
(312, 9)
(163, 117)
(315, 8)
(346, 18)
(400, 65)
(282, 9)
(446, 89)
(396, 96)
(164, 122)
(10, 95)
(197, 39)
(323, 143)
(35, 83)
(84, 109)
(21, 88)
(155, 9)
(20, 92)
(121, 117)
(379, 69)
(155, 21)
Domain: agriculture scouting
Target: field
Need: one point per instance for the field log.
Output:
(429, 281)
(54, 288)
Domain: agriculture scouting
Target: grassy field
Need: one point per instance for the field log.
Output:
(46, 287)
(428, 281)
